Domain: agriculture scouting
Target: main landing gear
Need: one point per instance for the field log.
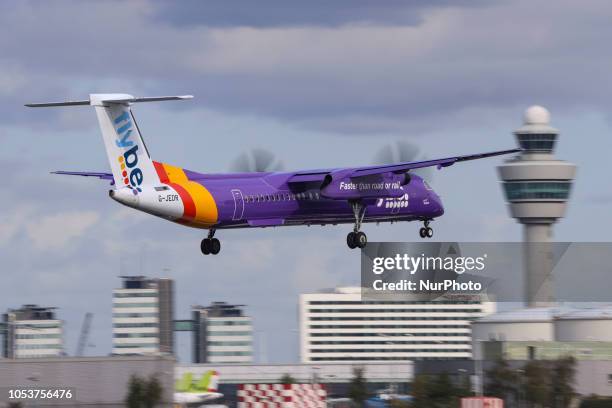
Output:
(426, 231)
(210, 245)
(356, 238)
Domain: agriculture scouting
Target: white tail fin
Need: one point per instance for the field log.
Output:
(127, 153)
(214, 382)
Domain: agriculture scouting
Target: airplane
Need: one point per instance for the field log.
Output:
(190, 393)
(357, 195)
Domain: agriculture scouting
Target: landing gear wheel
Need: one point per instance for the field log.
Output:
(205, 246)
(429, 232)
(351, 240)
(357, 239)
(361, 240)
(423, 232)
(215, 246)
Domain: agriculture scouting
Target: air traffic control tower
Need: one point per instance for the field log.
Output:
(537, 188)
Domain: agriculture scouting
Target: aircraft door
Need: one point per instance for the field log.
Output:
(238, 205)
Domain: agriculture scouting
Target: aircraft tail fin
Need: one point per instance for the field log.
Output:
(213, 386)
(208, 382)
(185, 383)
(127, 153)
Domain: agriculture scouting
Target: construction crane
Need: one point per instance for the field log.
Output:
(84, 334)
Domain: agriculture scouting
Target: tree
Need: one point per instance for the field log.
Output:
(143, 392)
(562, 389)
(441, 391)
(594, 401)
(501, 381)
(420, 392)
(358, 391)
(429, 391)
(287, 379)
(153, 392)
(398, 403)
(135, 392)
(537, 384)
(465, 386)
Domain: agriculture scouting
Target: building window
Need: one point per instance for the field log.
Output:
(555, 190)
(537, 142)
(122, 305)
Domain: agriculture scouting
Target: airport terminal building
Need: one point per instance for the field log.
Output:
(143, 316)
(337, 325)
(32, 332)
(222, 333)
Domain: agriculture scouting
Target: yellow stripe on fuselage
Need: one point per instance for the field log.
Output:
(206, 208)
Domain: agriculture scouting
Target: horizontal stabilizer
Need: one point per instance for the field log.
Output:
(106, 99)
(100, 175)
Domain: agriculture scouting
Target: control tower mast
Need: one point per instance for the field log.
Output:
(537, 188)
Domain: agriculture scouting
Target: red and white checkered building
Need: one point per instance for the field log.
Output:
(482, 402)
(281, 395)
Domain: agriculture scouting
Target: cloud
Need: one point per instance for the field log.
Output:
(279, 13)
(12, 221)
(52, 232)
(391, 75)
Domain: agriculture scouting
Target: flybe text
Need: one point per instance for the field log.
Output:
(132, 174)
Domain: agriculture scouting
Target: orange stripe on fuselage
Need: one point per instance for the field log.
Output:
(199, 205)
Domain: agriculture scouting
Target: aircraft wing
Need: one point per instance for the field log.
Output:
(319, 175)
(403, 167)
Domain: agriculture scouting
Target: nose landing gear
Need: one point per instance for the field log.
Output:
(356, 238)
(426, 231)
(210, 245)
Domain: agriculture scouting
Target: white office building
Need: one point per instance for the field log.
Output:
(337, 325)
(143, 315)
(32, 332)
(222, 334)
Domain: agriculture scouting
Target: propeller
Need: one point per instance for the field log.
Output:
(256, 160)
(403, 151)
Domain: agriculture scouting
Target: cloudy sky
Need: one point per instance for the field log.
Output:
(319, 83)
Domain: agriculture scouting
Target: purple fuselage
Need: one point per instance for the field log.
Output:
(270, 199)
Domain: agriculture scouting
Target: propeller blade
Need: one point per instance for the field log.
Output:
(256, 160)
(402, 151)
(407, 151)
(241, 164)
(262, 159)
